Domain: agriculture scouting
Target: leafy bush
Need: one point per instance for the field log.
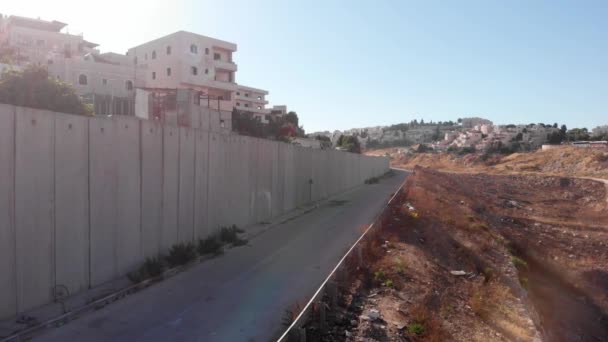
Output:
(210, 245)
(34, 88)
(181, 254)
(519, 263)
(416, 329)
(488, 274)
(230, 235)
(372, 180)
(151, 268)
(379, 275)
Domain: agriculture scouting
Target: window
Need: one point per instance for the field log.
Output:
(49, 61)
(153, 75)
(104, 81)
(246, 94)
(153, 54)
(238, 103)
(206, 51)
(267, 117)
(193, 48)
(238, 93)
(168, 71)
(82, 80)
(168, 50)
(222, 123)
(129, 85)
(247, 105)
(259, 97)
(194, 70)
(206, 71)
(135, 60)
(259, 107)
(217, 56)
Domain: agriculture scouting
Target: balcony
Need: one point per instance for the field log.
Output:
(251, 99)
(203, 82)
(253, 109)
(223, 65)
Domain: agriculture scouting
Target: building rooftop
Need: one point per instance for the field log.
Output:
(38, 24)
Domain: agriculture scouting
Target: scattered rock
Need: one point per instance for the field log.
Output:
(373, 314)
(458, 273)
(347, 333)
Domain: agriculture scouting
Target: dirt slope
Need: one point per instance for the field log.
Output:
(533, 251)
(562, 161)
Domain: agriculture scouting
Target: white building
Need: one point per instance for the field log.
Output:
(252, 100)
(107, 81)
(192, 61)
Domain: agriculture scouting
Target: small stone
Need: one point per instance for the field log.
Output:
(353, 323)
(347, 333)
(373, 314)
(458, 273)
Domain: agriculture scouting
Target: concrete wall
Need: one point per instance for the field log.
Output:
(85, 200)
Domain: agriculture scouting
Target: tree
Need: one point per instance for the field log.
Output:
(563, 129)
(34, 88)
(555, 138)
(519, 137)
(292, 117)
(555, 125)
(577, 134)
(349, 143)
(325, 141)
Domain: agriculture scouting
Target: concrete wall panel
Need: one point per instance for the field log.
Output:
(170, 186)
(253, 178)
(151, 187)
(72, 201)
(287, 167)
(200, 188)
(216, 200)
(128, 193)
(8, 288)
(102, 185)
(263, 197)
(186, 184)
(34, 207)
(276, 182)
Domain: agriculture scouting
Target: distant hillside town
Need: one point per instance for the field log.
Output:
(472, 133)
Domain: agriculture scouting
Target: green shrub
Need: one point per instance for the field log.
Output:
(379, 275)
(154, 266)
(416, 329)
(230, 235)
(519, 263)
(372, 180)
(389, 283)
(181, 254)
(210, 245)
(151, 268)
(488, 274)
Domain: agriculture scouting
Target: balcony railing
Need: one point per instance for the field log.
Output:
(224, 65)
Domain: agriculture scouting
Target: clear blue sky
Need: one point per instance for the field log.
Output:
(344, 64)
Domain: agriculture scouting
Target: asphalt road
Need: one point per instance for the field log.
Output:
(242, 295)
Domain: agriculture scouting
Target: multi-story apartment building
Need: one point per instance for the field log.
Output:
(105, 80)
(189, 60)
(35, 40)
(252, 100)
(183, 60)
